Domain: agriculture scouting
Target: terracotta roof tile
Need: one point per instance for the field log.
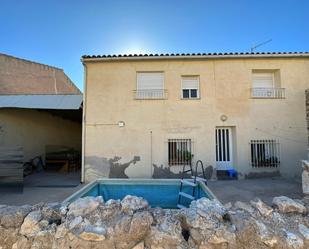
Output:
(180, 55)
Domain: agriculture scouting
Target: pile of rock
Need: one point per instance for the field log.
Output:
(131, 223)
(305, 177)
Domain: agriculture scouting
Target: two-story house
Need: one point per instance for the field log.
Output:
(147, 115)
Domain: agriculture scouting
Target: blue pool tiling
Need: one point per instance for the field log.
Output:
(158, 193)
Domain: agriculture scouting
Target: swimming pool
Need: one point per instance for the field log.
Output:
(158, 192)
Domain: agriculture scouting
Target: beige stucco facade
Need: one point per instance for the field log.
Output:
(33, 130)
(224, 90)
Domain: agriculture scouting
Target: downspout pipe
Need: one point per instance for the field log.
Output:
(84, 123)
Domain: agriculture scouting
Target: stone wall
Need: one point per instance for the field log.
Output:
(131, 223)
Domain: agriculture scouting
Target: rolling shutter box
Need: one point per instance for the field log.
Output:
(150, 81)
(263, 80)
(190, 83)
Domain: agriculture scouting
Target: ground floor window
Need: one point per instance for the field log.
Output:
(265, 153)
(179, 151)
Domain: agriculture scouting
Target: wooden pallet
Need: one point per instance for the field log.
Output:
(11, 167)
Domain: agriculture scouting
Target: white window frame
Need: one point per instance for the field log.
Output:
(271, 91)
(186, 88)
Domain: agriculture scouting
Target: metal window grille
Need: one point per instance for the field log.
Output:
(265, 153)
(179, 152)
(150, 94)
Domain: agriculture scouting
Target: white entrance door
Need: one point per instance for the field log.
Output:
(224, 154)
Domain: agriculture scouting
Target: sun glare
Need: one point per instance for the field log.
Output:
(134, 48)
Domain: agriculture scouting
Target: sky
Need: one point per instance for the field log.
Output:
(59, 32)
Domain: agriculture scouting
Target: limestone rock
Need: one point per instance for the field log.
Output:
(63, 210)
(287, 205)
(305, 165)
(228, 205)
(304, 231)
(209, 208)
(61, 231)
(12, 216)
(262, 207)
(305, 181)
(222, 236)
(8, 236)
(293, 240)
(23, 243)
(131, 223)
(43, 239)
(140, 245)
(166, 232)
(265, 235)
(140, 224)
(244, 206)
(31, 224)
(85, 205)
(52, 212)
(130, 204)
(75, 222)
(131, 229)
(251, 233)
(92, 233)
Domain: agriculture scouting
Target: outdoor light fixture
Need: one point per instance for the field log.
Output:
(121, 123)
(223, 118)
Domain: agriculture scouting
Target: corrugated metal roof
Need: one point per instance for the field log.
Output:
(58, 102)
(193, 56)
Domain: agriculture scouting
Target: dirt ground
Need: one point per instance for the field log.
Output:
(265, 189)
(43, 187)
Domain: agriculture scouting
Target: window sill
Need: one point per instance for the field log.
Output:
(253, 97)
(150, 98)
(190, 98)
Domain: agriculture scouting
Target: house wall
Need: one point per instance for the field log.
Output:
(307, 115)
(33, 130)
(140, 147)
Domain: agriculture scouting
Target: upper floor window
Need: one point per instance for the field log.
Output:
(266, 84)
(150, 85)
(190, 87)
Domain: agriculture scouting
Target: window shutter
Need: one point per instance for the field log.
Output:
(190, 83)
(150, 81)
(263, 80)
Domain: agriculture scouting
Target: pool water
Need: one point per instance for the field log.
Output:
(159, 193)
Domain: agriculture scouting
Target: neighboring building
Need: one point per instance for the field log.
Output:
(19, 76)
(40, 107)
(144, 115)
